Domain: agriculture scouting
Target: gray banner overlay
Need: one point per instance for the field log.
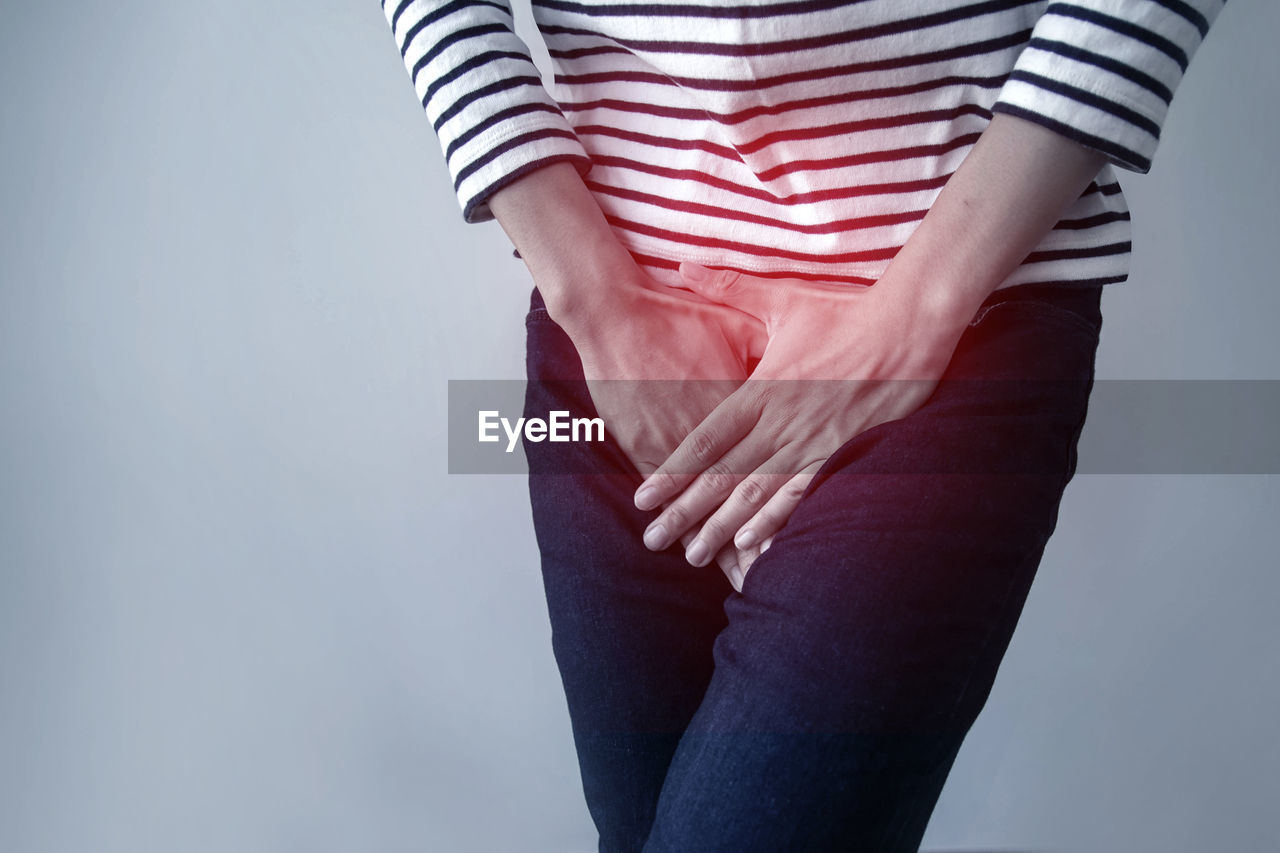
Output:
(1133, 427)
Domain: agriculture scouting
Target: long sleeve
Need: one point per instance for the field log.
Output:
(482, 93)
(1103, 72)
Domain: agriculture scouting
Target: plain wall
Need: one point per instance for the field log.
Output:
(244, 608)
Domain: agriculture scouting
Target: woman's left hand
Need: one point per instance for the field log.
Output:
(840, 359)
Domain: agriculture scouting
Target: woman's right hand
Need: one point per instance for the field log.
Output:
(657, 360)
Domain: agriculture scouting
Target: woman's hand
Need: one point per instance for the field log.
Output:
(884, 348)
(839, 360)
(657, 361)
(1006, 195)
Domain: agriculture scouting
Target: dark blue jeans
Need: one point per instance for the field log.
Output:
(820, 709)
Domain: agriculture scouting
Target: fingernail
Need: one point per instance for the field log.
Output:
(731, 573)
(745, 538)
(698, 553)
(655, 538)
(693, 272)
(646, 498)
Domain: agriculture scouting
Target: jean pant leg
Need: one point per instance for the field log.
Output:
(632, 630)
(865, 641)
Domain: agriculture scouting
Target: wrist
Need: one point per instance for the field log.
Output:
(933, 305)
(593, 292)
(565, 241)
(995, 209)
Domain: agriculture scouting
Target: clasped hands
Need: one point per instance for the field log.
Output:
(727, 456)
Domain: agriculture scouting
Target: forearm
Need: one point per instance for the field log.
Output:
(1007, 194)
(559, 230)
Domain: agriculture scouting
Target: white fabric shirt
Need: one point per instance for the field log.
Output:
(805, 138)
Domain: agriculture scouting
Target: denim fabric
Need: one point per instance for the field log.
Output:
(821, 708)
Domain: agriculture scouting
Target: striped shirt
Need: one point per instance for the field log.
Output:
(802, 138)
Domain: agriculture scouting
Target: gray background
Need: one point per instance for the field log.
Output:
(242, 607)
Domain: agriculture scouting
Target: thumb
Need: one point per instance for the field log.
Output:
(747, 293)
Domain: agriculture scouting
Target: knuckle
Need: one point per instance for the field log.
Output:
(751, 492)
(718, 477)
(663, 481)
(725, 282)
(714, 531)
(676, 518)
(794, 490)
(768, 519)
(703, 448)
(766, 394)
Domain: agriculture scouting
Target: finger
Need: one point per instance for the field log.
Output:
(706, 493)
(745, 566)
(773, 514)
(745, 561)
(737, 577)
(728, 558)
(747, 293)
(719, 431)
(746, 500)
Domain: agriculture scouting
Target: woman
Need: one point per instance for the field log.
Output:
(854, 253)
